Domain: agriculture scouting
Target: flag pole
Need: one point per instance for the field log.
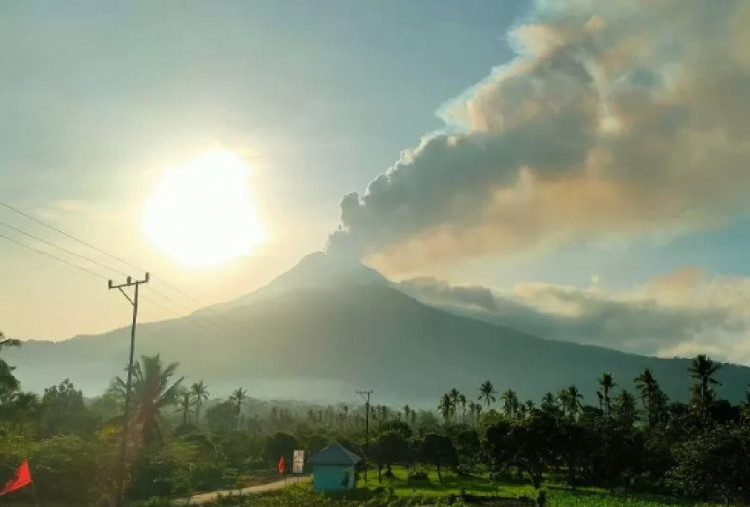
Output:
(33, 488)
(33, 492)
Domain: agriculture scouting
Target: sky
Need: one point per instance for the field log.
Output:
(583, 161)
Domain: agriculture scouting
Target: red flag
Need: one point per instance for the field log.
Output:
(281, 465)
(22, 478)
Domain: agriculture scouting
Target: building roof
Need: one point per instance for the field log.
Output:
(335, 454)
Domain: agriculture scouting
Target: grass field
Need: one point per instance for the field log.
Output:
(479, 485)
(397, 491)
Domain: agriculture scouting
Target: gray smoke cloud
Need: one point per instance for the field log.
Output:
(615, 118)
(679, 314)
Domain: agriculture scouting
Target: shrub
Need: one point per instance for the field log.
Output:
(417, 475)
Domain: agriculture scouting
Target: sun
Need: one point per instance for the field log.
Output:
(201, 213)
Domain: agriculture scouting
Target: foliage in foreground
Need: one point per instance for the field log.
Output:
(181, 443)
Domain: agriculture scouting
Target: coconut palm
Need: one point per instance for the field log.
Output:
(477, 412)
(487, 393)
(549, 404)
(624, 408)
(200, 394)
(8, 382)
(702, 370)
(651, 396)
(446, 407)
(530, 407)
(607, 384)
(407, 410)
(152, 390)
(462, 402)
(237, 398)
(455, 395)
(8, 342)
(510, 403)
(185, 403)
(570, 401)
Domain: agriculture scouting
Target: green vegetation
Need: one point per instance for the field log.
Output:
(625, 451)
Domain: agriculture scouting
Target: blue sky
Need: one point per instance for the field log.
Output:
(321, 98)
(99, 97)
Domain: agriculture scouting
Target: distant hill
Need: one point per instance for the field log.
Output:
(317, 333)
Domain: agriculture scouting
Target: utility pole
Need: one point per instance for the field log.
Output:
(366, 395)
(123, 444)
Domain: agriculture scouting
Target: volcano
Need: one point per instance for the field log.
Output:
(327, 327)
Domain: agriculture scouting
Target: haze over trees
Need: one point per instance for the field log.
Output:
(343, 313)
(640, 442)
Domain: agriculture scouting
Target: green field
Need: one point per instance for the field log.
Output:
(480, 485)
(398, 491)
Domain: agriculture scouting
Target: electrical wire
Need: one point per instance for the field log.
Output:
(224, 322)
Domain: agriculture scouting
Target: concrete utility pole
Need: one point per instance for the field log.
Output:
(123, 444)
(366, 395)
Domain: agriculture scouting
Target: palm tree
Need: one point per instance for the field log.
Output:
(8, 342)
(487, 393)
(407, 410)
(237, 397)
(445, 407)
(344, 415)
(606, 384)
(549, 404)
(200, 393)
(477, 412)
(153, 390)
(651, 395)
(8, 382)
(570, 401)
(624, 408)
(462, 402)
(510, 403)
(379, 414)
(185, 403)
(530, 407)
(455, 395)
(702, 370)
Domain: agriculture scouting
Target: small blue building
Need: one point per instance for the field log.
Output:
(334, 468)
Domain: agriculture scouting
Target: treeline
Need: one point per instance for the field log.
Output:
(639, 443)
(182, 442)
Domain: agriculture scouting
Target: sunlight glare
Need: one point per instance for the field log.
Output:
(201, 213)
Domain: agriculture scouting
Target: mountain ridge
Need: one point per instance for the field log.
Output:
(326, 339)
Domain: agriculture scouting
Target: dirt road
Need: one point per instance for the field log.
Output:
(260, 488)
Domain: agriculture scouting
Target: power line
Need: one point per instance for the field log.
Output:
(98, 275)
(93, 247)
(70, 236)
(42, 252)
(225, 319)
(62, 249)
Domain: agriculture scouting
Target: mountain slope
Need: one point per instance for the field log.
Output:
(321, 342)
(314, 271)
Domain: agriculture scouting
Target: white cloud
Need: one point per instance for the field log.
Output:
(683, 313)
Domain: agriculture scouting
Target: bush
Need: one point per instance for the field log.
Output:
(191, 463)
(417, 475)
(714, 465)
(73, 470)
